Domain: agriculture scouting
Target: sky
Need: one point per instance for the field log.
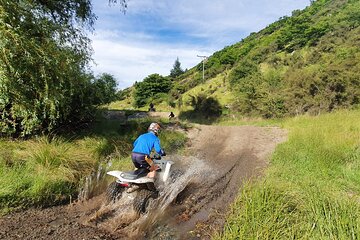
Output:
(152, 34)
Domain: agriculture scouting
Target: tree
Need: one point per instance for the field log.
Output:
(44, 54)
(123, 3)
(42, 61)
(176, 70)
(104, 88)
(152, 85)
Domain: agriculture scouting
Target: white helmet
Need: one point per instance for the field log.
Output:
(154, 127)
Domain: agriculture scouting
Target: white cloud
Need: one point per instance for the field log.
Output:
(199, 16)
(131, 61)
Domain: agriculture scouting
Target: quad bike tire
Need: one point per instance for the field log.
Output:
(143, 199)
(113, 192)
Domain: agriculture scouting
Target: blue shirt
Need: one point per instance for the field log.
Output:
(146, 142)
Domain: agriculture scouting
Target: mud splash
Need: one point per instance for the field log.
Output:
(94, 183)
(120, 217)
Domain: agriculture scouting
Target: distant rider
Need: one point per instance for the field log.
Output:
(151, 107)
(143, 146)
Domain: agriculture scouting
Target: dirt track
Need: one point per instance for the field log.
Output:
(231, 155)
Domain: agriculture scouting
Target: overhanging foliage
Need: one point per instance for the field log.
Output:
(43, 64)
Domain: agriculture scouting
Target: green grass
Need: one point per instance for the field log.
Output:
(160, 105)
(47, 171)
(238, 120)
(312, 188)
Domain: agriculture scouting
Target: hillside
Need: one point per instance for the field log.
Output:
(306, 63)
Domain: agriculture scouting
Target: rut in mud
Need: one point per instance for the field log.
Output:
(191, 205)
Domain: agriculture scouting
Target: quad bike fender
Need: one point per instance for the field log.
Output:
(114, 173)
(118, 174)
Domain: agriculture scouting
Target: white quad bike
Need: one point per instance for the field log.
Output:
(137, 183)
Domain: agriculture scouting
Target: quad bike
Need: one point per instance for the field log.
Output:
(137, 182)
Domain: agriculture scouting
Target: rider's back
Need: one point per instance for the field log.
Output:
(146, 142)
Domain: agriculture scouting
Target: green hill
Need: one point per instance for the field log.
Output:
(306, 63)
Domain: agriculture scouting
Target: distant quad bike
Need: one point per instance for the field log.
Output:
(137, 182)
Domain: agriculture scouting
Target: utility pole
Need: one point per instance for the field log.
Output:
(203, 60)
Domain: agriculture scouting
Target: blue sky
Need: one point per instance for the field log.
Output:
(151, 34)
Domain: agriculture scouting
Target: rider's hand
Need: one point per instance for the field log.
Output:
(154, 167)
(163, 153)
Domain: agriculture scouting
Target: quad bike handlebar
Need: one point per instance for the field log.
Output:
(164, 166)
(158, 156)
(155, 162)
(162, 163)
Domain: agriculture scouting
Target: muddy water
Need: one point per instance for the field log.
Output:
(121, 218)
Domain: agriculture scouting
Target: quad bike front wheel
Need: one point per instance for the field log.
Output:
(143, 199)
(113, 192)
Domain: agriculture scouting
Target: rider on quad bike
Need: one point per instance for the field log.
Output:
(143, 146)
(141, 181)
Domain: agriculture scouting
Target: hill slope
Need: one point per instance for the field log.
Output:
(308, 62)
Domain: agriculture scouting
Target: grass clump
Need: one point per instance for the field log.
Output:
(272, 210)
(312, 188)
(41, 171)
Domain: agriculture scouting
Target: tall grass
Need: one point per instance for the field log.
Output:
(40, 171)
(312, 188)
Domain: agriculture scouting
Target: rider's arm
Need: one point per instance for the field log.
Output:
(158, 148)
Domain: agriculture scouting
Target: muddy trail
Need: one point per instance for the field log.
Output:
(191, 205)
